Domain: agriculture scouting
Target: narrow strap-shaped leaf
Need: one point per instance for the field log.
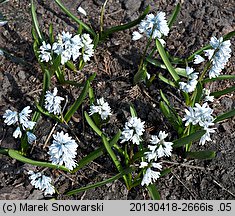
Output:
(165, 80)
(224, 116)
(4, 151)
(198, 95)
(187, 139)
(174, 15)
(222, 77)
(223, 92)
(133, 111)
(35, 21)
(155, 62)
(71, 65)
(99, 184)
(201, 155)
(229, 35)
(77, 103)
(16, 155)
(123, 27)
(153, 192)
(166, 61)
(92, 124)
(141, 74)
(51, 36)
(96, 153)
(74, 18)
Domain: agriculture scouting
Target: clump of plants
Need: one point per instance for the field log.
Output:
(138, 161)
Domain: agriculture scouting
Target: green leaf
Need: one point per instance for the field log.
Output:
(123, 27)
(46, 81)
(71, 65)
(187, 139)
(4, 151)
(164, 98)
(141, 74)
(133, 111)
(75, 19)
(223, 92)
(174, 15)
(91, 95)
(77, 103)
(59, 75)
(224, 116)
(201, 155)
(51, 36)
(165, 80)
(92, 124)
(153, 192)
(199, 93)
(165, 171)
(35, 21)
(16, 155)
(96, 153)
(222, 77)
(170, 115)
(229, 35)
(99, 184)
(166, 61)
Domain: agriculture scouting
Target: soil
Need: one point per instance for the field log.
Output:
(115, 63)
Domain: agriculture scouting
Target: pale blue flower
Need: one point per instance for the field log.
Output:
(63, 150)
(53, 102)
(41, 182)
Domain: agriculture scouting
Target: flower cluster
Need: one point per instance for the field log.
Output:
(52, 102)
(41, 182)
(23, 122)
(207, 96)
(102, 108)
(219, 55)
(201, 115)
(192, 81)
(158, 148)
(63, 150)
(152, 26)
(133, 131)
(68, 47)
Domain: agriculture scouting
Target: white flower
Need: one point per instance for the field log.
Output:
(150, 175)
(3, 22)
(52, 102)
(17, 133)
(23, 119)
(102, 108)
(198, 59)
(190, 117)
(201, 115)
(45, 52)
(1, 53)
(133, 131)
(136, 35)
(82, 11)
(11, 117)
(192, 82)
(31, 137)
(41, 182)
(154, 26)
(207, 97)
(88, 47)
(219, 55)
(63, 150)
(189, 86)
(206, 136)
(159, 147)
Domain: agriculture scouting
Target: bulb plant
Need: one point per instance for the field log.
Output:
(139, 161)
